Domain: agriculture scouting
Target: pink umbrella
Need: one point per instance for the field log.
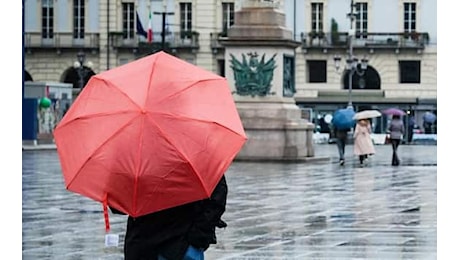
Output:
(394, 112)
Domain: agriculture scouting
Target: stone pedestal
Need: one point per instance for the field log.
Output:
(259, 54)
(274, 128)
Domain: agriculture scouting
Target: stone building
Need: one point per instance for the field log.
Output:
(69, 41)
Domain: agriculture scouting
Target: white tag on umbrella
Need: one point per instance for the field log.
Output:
(111, 240)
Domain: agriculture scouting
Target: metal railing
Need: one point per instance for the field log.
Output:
(261, 3)
(60, 40)
(215, 44)
(174, 40)
(365, 40)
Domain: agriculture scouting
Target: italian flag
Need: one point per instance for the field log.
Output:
(150, 32)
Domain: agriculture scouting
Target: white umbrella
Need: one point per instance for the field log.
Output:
(367, 114)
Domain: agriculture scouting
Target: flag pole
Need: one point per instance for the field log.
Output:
(150, 32)
(163, 27)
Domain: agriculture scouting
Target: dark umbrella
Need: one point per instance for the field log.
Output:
(394, 112)
(343, 119)
(429, 117)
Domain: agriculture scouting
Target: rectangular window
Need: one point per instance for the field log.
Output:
(185, 19)
(228, 10)
(409, 17)
(47, 19)
(409, 71)
(128, 20)
(361, 20)
(79, 19)
(317, 72)
(316, 17)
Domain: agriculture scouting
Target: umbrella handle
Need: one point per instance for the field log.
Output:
(106, 214)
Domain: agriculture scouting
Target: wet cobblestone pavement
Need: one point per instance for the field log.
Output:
(274, 210)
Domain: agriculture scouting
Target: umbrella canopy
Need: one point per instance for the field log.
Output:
(343, 118)
(367, 114)
(149, 135)
(394, 112)
(429, 117)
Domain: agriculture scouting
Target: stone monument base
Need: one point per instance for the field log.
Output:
(274, 128)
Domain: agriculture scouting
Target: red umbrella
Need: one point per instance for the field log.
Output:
(152, 134)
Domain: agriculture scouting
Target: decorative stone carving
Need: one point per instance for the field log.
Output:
(254, 77)
(288, 77)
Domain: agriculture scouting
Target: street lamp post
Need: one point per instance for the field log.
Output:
(81, 69)
(354, 65)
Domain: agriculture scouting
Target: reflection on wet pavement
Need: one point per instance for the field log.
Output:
(274, 211)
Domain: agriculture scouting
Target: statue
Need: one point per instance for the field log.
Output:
(288, 77)
(254, 77)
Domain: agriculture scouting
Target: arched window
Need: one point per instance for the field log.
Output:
(370, 79)
(71, 76)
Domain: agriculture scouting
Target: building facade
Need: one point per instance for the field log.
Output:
(71, 40)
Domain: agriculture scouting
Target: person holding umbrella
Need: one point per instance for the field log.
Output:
(341, 136)
(182, 232)
(363, 145)
(428, 121)
(160, 157)
(396, 132)
(342, 123)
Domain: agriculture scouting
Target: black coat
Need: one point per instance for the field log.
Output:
(171, 231)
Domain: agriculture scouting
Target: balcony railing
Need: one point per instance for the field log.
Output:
(365, 40)
(60, 40)
(215, 44)
(173, 41)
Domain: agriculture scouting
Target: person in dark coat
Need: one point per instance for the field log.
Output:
(427, 126)
(410, 134)
(396, 132)
(170, 233)
(341, 136)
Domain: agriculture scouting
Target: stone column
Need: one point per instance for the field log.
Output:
(259, 53)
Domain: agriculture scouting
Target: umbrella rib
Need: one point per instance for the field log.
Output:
(97, 115)
(138, 164)
(184, 89)
(163, 133)
(194, 119)
(110, 84)
(150, 82)
(89, 157)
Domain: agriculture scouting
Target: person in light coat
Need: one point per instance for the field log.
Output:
(363, 145)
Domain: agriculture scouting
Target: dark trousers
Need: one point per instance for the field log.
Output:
(341, 147)
(394, 144)
(362, 157)
(410, 134)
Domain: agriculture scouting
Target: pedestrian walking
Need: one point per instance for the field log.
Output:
(342, 122)
(410, 134)
(341, 136)
(363, 145)
(396, 133)
(180, 233)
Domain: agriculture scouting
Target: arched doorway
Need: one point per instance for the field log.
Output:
(27, 76)
(370, 79)
(71, 76)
